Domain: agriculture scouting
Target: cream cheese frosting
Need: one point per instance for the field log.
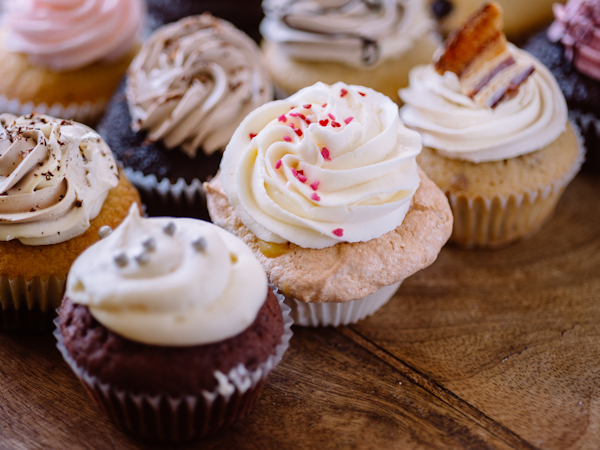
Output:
(66, 35)
(170, 282)
(457, 127)
(54, 178)
(194, 81)
(329, 164)
(353, 32)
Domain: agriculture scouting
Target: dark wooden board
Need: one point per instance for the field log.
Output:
(481, 350)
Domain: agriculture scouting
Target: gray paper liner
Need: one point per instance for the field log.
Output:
(338, 314)
(163, 417)
(166, 198)
(85, 112)
(589, 125)
(29, 305)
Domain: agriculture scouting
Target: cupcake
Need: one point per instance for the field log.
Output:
(171, 327)
(66, 58)
(495, 133)
(244, 15)
(368, 43)
(520, 17)
(570, 48)
(59, 186)
(324, 188)
(187, 90)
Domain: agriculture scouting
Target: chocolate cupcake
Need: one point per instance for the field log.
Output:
(171, 327)
(244, 15)
(190, 86)
(570, 48)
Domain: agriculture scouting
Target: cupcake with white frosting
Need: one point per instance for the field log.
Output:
(325, 189)
(495, 131)
(66, 58)
(188, 89)
(171, 326)
(59, 184)
(372, 44)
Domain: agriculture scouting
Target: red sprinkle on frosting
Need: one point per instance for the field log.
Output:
(287, 139)
(315, 185)
(282, 118)
(307, 106)
(349, 119)
(324, 105)
(278, 164)
(323, 123)
(343, 92)
(298, 115)
(362, 93)
(252, 135)
(338, 232)
(331, 116)
(335, 125)
(301, 178)
(325, 154)
(294, 172)
(298, 131)
(315, 197)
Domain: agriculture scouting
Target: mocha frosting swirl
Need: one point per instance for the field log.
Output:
(54, 178)
(358, 33)
(66, 35)
(194, 81)
(329, 164)
(165, 281)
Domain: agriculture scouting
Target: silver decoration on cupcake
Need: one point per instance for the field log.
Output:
(104, 231)
(142, 258)
(169, 229)
(200, 244)
(149, 244)
(121, 259)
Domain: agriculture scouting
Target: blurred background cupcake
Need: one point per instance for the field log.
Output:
(187, 90)
(245, 15)
(570, 48)
(66, 58)
(171, 327)
(61, 186)
(367, 43)
(521, 17)
(496, 134)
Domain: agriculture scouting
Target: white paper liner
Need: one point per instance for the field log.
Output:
(169, 418)
(24, 302)
(494, 222)
(85, 112)
(337, 314)
(181, 196)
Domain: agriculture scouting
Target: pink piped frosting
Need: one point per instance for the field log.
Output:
(66, 35)
(577, 27)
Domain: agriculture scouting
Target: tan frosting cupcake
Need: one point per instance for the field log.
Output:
(325, 189)
(362, 43)
(64, 188)
(496, 134)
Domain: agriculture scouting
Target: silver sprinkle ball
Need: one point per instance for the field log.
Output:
(149, 244)
(121, 259)
(142, 258)
(200, 244)
(104, 231)
(169, 229)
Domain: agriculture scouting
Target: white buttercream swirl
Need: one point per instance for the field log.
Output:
(171, 282)
(69, 34)
(358, 33)
(348, 176)
(194, 81)
(459, 128)
(54, 178)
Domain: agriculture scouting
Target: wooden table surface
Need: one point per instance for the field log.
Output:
(481, 350)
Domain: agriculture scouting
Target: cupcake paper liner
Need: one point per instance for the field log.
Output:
(336, 314)
(163, 417)
(590, 130)
(163, 198)
(85, 112)
(30, 305)
(497, 221)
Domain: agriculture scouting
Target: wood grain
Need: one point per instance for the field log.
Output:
(483, 350)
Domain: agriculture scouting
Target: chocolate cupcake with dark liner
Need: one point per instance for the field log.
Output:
(171, 327)
(570, 48)
(188, 89)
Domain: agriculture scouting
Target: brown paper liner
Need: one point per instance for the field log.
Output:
(30, 305)
(497, 221)
(162, 417)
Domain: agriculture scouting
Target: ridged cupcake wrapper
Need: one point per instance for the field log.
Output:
(30, 305)
(163, 198)
(163, 417)
(85, 112)
(589, 125)
(337, 314)
(495, 222)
